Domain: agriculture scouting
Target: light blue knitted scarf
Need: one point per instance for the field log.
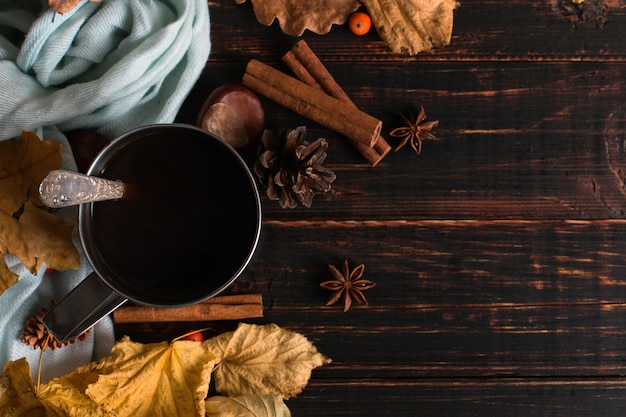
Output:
(108, 66)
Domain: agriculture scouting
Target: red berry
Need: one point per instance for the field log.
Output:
(195, 336)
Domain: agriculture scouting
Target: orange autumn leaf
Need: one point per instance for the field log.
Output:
(296, 16)
(27, 230)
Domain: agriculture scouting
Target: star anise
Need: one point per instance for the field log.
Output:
(348, 284)
(416, 131)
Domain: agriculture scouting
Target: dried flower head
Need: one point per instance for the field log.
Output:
(291, 168)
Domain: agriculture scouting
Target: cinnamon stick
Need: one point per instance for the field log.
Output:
(307, 58)
(303, 74)
(312, 103)
(305, 64)
(225, 307)
(373, 155)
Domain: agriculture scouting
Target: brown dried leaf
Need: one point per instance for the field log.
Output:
(412, 26)
(64, 6)
(32, 234)
(296, 16)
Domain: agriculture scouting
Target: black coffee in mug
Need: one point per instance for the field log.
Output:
(187, 226)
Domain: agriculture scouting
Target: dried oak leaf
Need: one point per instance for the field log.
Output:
(27, 231)
(156, 380)
(263, 360)
(19, 396)
(296, 16)
(247, 405)
(412, 26)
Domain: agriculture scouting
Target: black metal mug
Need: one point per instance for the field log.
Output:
(186, 229)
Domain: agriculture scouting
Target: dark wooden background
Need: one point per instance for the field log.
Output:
(499, 252)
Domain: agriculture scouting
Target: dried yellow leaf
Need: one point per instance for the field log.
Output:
(263, 360)
(23, 164)
(259, 367)
(27, 230)
(412, 26)
(67, 401)
(19, 396)
(296, 16)
(17, 391)
(247, 405)
(157, 379)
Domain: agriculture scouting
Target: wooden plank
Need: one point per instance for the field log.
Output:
(468, 342)
(449, 262)
(464, 397)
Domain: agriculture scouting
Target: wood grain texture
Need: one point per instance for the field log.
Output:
(498, 252)
(543, 153)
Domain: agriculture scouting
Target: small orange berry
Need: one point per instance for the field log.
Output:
(359, 23)
(195, 336)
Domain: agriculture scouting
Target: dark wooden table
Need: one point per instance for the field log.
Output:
(499, 253)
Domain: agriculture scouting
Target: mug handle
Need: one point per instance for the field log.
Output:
(81, 309)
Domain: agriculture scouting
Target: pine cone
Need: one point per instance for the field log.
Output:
(36, 335)
(291, 169)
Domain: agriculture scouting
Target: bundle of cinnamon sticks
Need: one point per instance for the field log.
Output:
(316, 95)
